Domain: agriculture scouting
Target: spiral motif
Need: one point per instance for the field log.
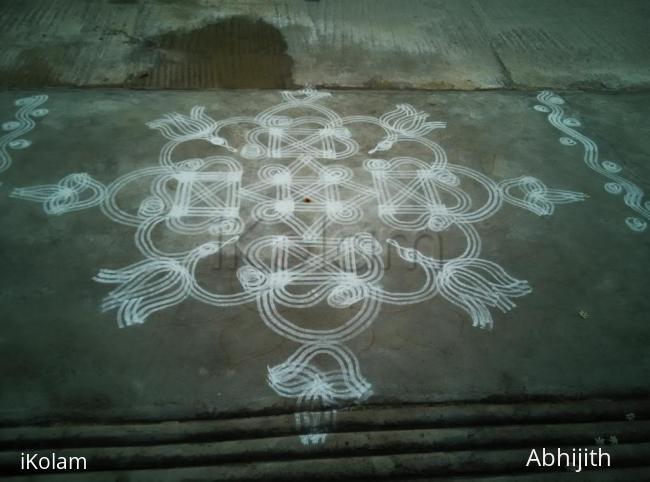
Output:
(252, 151)
(191, 164)
(151, 206)
(367, 244)
(567, 141)
(10, 126)
(542, 108)
(25, 101)
(636, 224)
(344, 213)
(20, 144)
(251, 279)
(226, 226)
(611, 166)
(344, 296)
(571, 122)
(447, 177)
(279, 121)
(613, 188)
(40, 112)
(336, 174)
(438, 224)
(266, 212)
(376, 164)
(77, 181)
(275, 173)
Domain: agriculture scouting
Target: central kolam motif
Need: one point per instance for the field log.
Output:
(305, 192)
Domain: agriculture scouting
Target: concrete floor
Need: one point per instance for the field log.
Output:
(65, 357)
(572, 242)
(464, 44)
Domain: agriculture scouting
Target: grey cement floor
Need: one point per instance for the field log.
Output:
(432, 44)
(110, 66)
(65, 359)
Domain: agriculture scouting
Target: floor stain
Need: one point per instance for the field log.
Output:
(234, 53)
(32, 69)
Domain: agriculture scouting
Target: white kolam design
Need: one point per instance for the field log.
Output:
(307, 197)
(72, 193)
(28, 109)
(633, 195)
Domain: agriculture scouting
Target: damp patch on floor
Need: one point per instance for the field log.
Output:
(237, 52)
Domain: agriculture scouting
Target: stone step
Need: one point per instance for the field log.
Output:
(366, 418)
(377, 442)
